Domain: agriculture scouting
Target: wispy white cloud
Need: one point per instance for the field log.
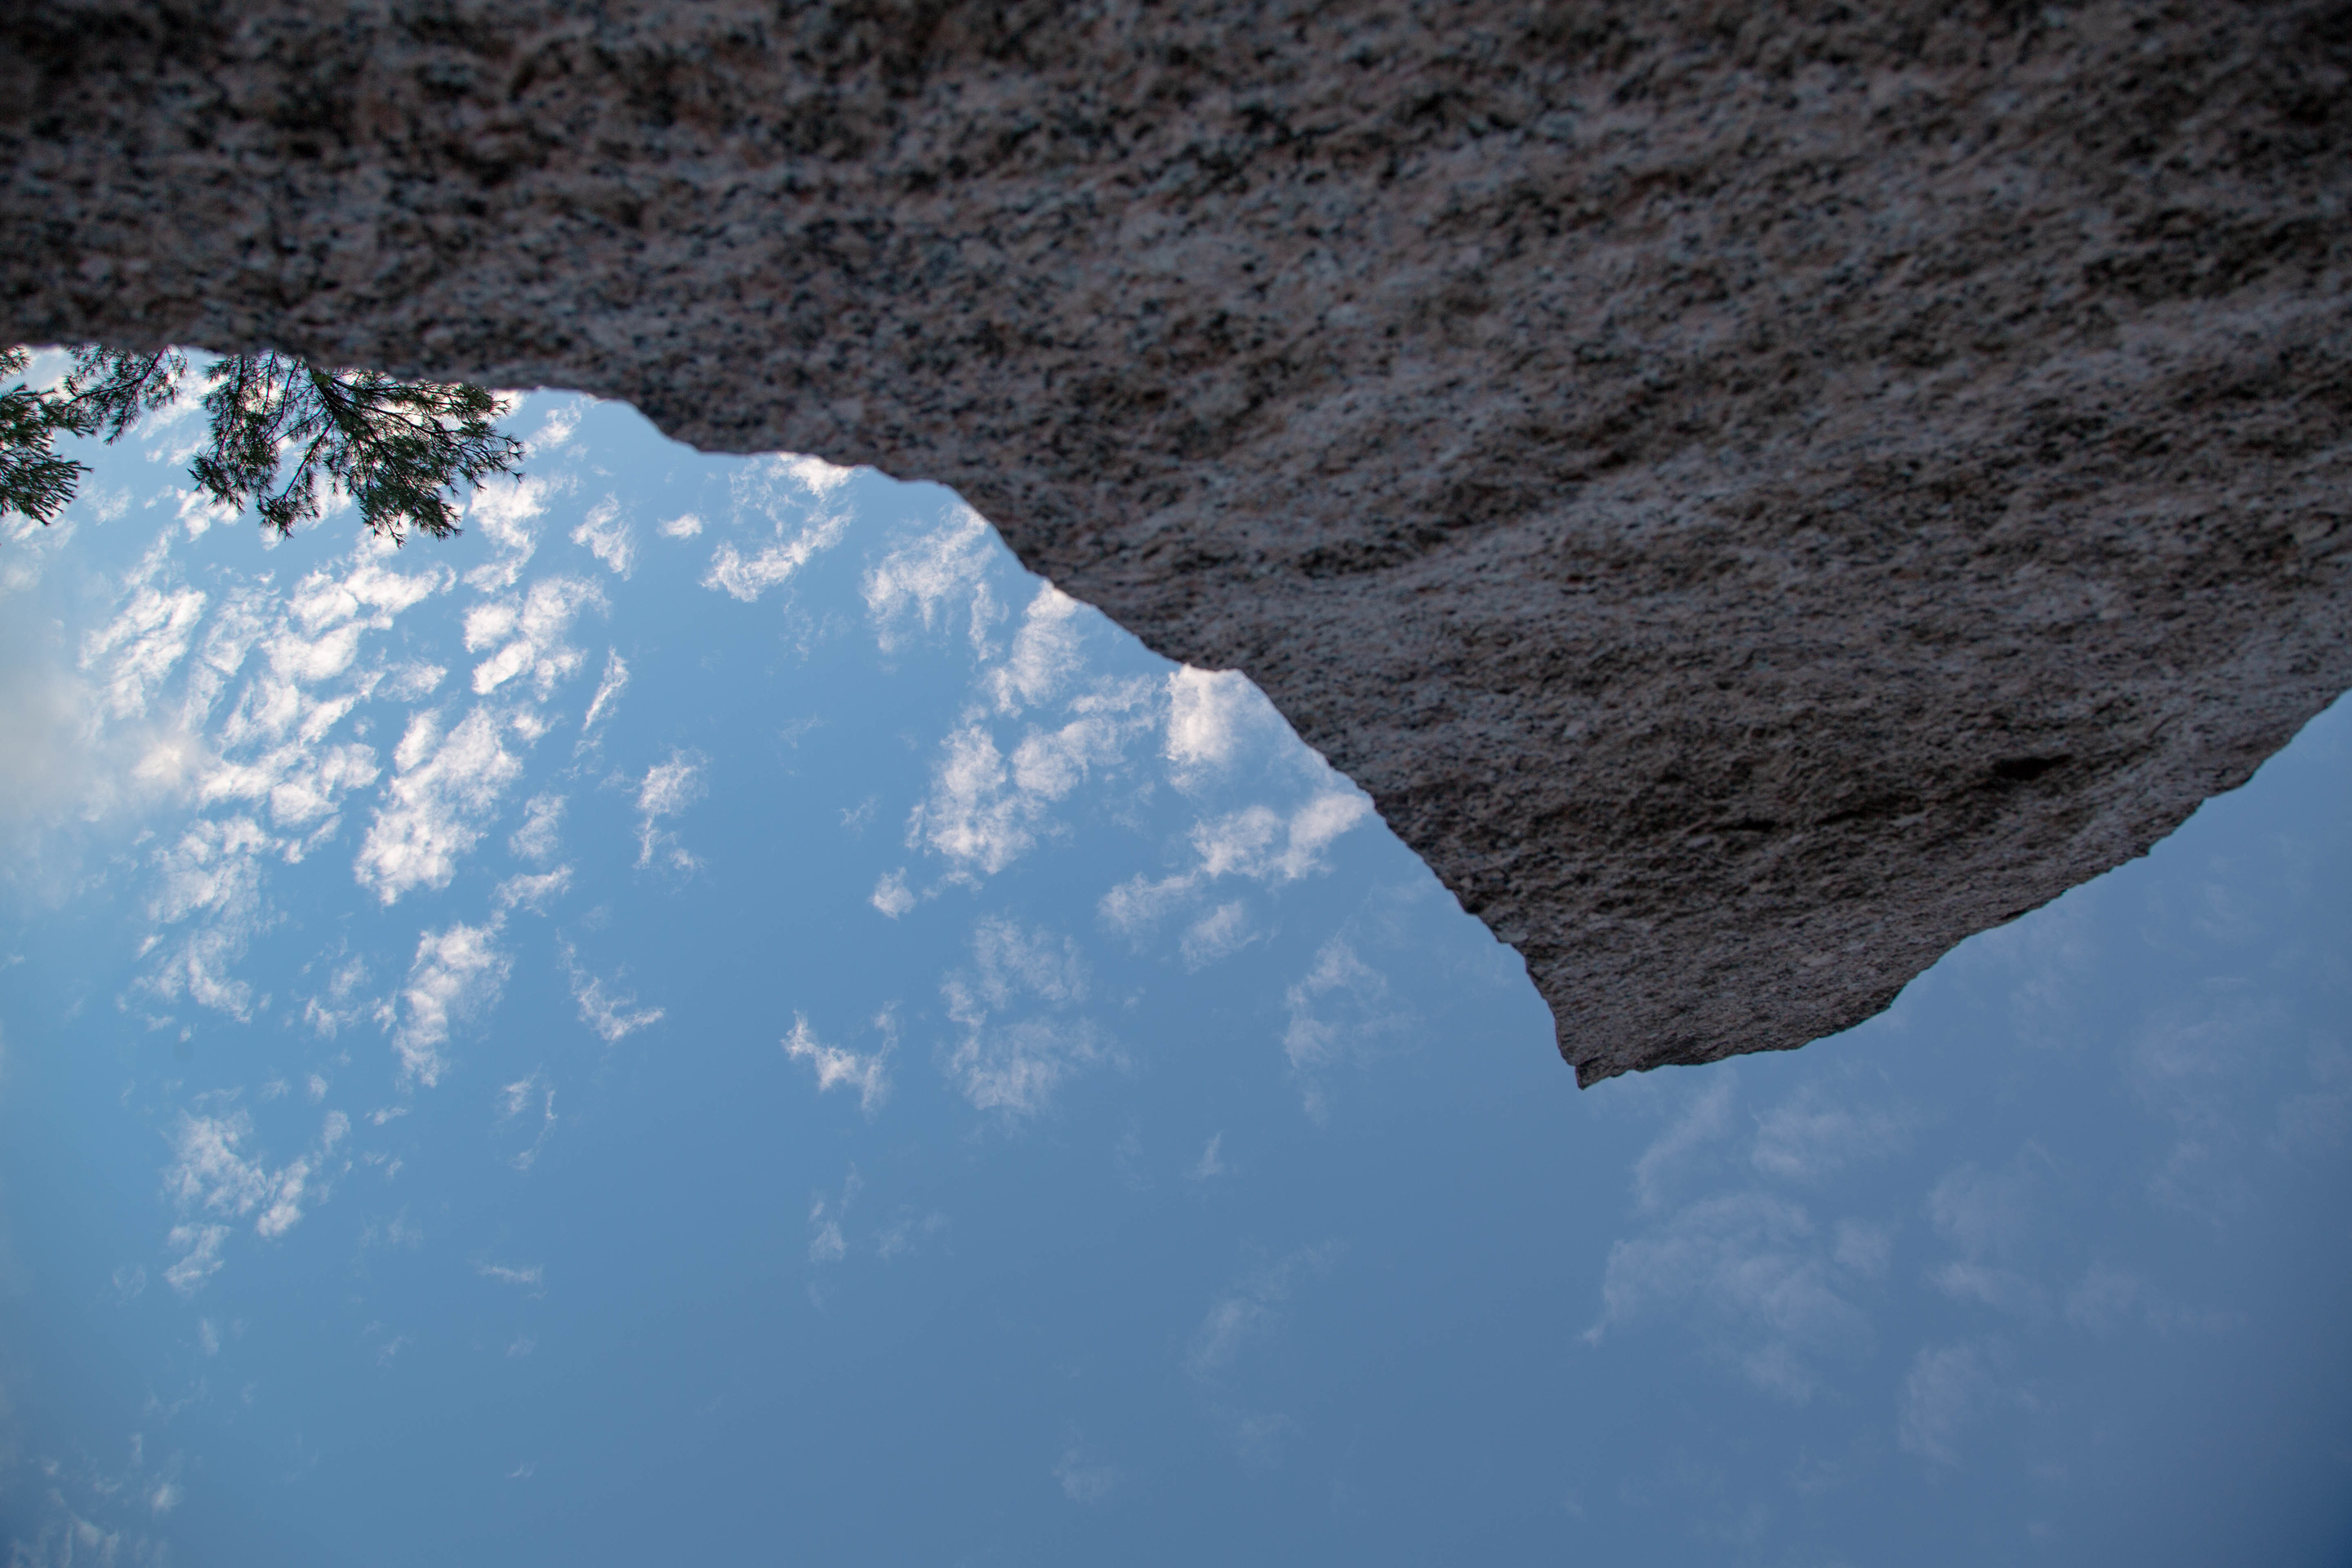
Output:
(435, 804)
(542, 818)
(525, 635)
(1261, 843)
(1252, 1310)
(555, 432)
(532, 1278)
(275, 746)
(1141, 901)
(199, 1246)
(985, 810)
(1046, 654)
(529, 892)
(55, 767)
(746, 577)
(612, 1017)
(505, 512)
(607, 536)
(1752, 1275)
(668, 789)
(303, 786)
(891, 894)
(1339, 1010)
(836, 1067)
(826, 1243)
(198, 512)
(907, 1235)
(1220, 933)
(2196, 1067)
(336, 1008)
(1211, 713)
(412, 681)
(1809, 1137)
(1704, 1120)
(615, 681)
(2003, 1289)
(996, 784)
(214, 1180)
(135, 653)
(1950, 1389)
(1764, 1287)
(1210, 1164)
(970, 818)
(1985, 1215)
(457, 973)
(1014, 1065)
(814, 476)
(2107, 1295)
(684, 526)
(532, 1100)
(928, 576)
(1863, 1249)
(795, 495)
(369, 595)
(209, 1175)
(1048, 763)
(1083, 1478)
(211, 877)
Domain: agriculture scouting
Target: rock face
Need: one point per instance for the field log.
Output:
(1756, 492)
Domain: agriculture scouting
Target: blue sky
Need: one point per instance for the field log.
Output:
(715, 1014)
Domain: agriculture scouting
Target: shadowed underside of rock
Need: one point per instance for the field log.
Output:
(1758, 492)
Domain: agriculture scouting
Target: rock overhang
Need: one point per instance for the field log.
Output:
(1756, 493)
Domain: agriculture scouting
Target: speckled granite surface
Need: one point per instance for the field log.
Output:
(1757, 492)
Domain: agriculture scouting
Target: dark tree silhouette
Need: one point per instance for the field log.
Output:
(399, 448)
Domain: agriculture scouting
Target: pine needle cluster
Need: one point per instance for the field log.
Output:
(282, 434)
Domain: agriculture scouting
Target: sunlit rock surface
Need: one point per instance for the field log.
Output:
(1756, 492)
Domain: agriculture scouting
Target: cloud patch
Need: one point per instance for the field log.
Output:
(530, 1101)
(891, 894)
(504, 512)
(211, 876)
(605, 534)
(668, 789)
(797, 488)
(838, 1067)
(1253, 1311)
(1257, 843)
(542, 819)
(1339, 1010)
(611, 1018)
(1948, 1390)
(614, 681)
(987, 806)
(445, 786)
(457, 973)
(1017, 1006)
(213, 1180)
(1211, 714)
(926, 577)
(525, 635)
(1751, 1273)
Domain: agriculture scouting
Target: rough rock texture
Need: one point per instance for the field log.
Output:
(1756, 492)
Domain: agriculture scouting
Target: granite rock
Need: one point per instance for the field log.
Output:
(1756, 492)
